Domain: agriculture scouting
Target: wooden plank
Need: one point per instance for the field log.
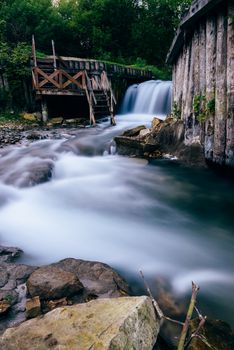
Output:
(54, 92)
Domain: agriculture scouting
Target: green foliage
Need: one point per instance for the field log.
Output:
(162, 73)
(210, 106)
(9, 299)
(115, 30)
(176, 112)
(202, 108)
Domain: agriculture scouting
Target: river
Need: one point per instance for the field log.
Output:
(162, 218)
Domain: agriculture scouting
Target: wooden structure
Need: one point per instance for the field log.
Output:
(202, 56)
(70, 76)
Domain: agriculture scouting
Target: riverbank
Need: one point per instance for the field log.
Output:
(25, 128)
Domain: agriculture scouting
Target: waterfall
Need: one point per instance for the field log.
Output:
(151, 97)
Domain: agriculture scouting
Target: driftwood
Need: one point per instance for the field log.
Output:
(183, 341)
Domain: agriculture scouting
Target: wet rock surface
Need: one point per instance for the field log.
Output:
(8, 254)
(99, 279)
(120, 323)
(50, 282)
(165, 139)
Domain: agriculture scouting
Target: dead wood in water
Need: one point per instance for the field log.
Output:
(183, 341)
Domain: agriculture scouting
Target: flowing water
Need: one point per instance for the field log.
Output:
(164, 219)
(151, 97)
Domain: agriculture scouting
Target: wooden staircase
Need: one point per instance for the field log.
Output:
(100, 97)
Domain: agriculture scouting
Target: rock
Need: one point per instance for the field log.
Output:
(53, 304)
(10, 296)
(29, 116)
(56, 121)
(218, 335)
(128, 146)
(35, 174)
(4, 307)
(33, 136)
(33, 307)
(97, 278)
(134, 131)
(50, 282)
(156, 122)
(18, 273)
(114, 324)
(144, 132)
(9, 254)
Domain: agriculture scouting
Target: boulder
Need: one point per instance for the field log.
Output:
(97, 278)
(29, 116)
(56, 121)
(156, 122)
(33, 307)
(215, 334)
(134, 147)
(50, 282)
(134, 132)
(114, 324)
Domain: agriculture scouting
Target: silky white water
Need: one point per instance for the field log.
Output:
(160, 218)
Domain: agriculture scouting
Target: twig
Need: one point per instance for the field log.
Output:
(204, 340)
(155, 304)
(196, 333)
(183, 335)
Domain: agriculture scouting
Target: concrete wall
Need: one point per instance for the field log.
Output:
(202, 56)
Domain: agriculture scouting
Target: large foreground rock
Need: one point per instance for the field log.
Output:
(114, 324)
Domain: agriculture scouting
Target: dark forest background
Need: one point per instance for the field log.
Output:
(131, 32)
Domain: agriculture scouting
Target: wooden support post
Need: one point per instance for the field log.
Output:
(54, 54)
(44, 110)
(34, 51)
(113, 122)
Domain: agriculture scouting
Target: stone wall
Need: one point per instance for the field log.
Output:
(202, 56)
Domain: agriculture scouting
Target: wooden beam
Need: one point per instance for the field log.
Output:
(73, 80)
(51, 76)
(47, 77)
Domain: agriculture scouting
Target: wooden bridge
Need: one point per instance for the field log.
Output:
(70, 76)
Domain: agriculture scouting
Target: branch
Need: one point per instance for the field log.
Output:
(183, 335)
(155, 304)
